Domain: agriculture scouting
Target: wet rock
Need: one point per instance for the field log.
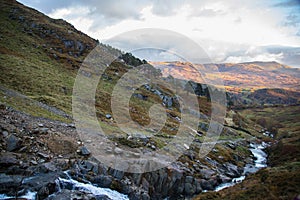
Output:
(206, 185)
(224, 179)
(45, 183)
(71, 194)
(8, 160)
(231, 170)
(102, 197)
(102, 180)
(10, 183)
(13, 143)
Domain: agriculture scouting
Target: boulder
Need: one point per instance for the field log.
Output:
(13, 143)
(10, 183)
(8, 160)
(102, 180)
(84, 151)
(74, 194)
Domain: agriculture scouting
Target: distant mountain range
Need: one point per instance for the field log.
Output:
(236, 76)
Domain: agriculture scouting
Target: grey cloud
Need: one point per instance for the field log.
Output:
(289, 3)
(47, 6)
(161, 41)
(292, 20)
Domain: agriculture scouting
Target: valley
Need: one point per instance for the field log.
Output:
(44, 157)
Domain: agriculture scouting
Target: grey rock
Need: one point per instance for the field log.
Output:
(102, 180)
(8, 160)
(198, 186)
(140, 96)
(41, 125)
(8, 183)
(231, 170)
(13, 143)
(231, 145)
(44, 130)
(117, 174)
(145, 196)
(4, 134)
(48, 167)
(108, 116)
(189, 179)
(102, 197)
(206, 185)
(43, 155)
(118, 150)
(33, 162)
(207, 173)
(84, 151)
(71, 194)
(189, 189)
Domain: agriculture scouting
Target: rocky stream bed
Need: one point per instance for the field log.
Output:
(44, 159)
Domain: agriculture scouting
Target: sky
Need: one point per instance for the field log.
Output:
(227, 30)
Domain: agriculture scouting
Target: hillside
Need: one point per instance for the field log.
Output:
(42, 153)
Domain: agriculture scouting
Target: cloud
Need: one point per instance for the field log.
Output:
(289, 3)
(285, 55)
(165, 8)
(227, 30)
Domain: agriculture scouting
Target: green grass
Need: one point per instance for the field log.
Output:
(30, 107)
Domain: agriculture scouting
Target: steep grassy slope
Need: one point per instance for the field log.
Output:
(40, 58)
(36, 59)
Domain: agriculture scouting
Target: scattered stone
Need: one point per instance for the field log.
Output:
(43, 130)
(118, 150)
(4, 134)
(41, 125)
(33, 162)
(231, 145)
(84, 151)
(43, 155)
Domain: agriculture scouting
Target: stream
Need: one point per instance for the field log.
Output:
(71, 184)
(68, 183)
(260, 162)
